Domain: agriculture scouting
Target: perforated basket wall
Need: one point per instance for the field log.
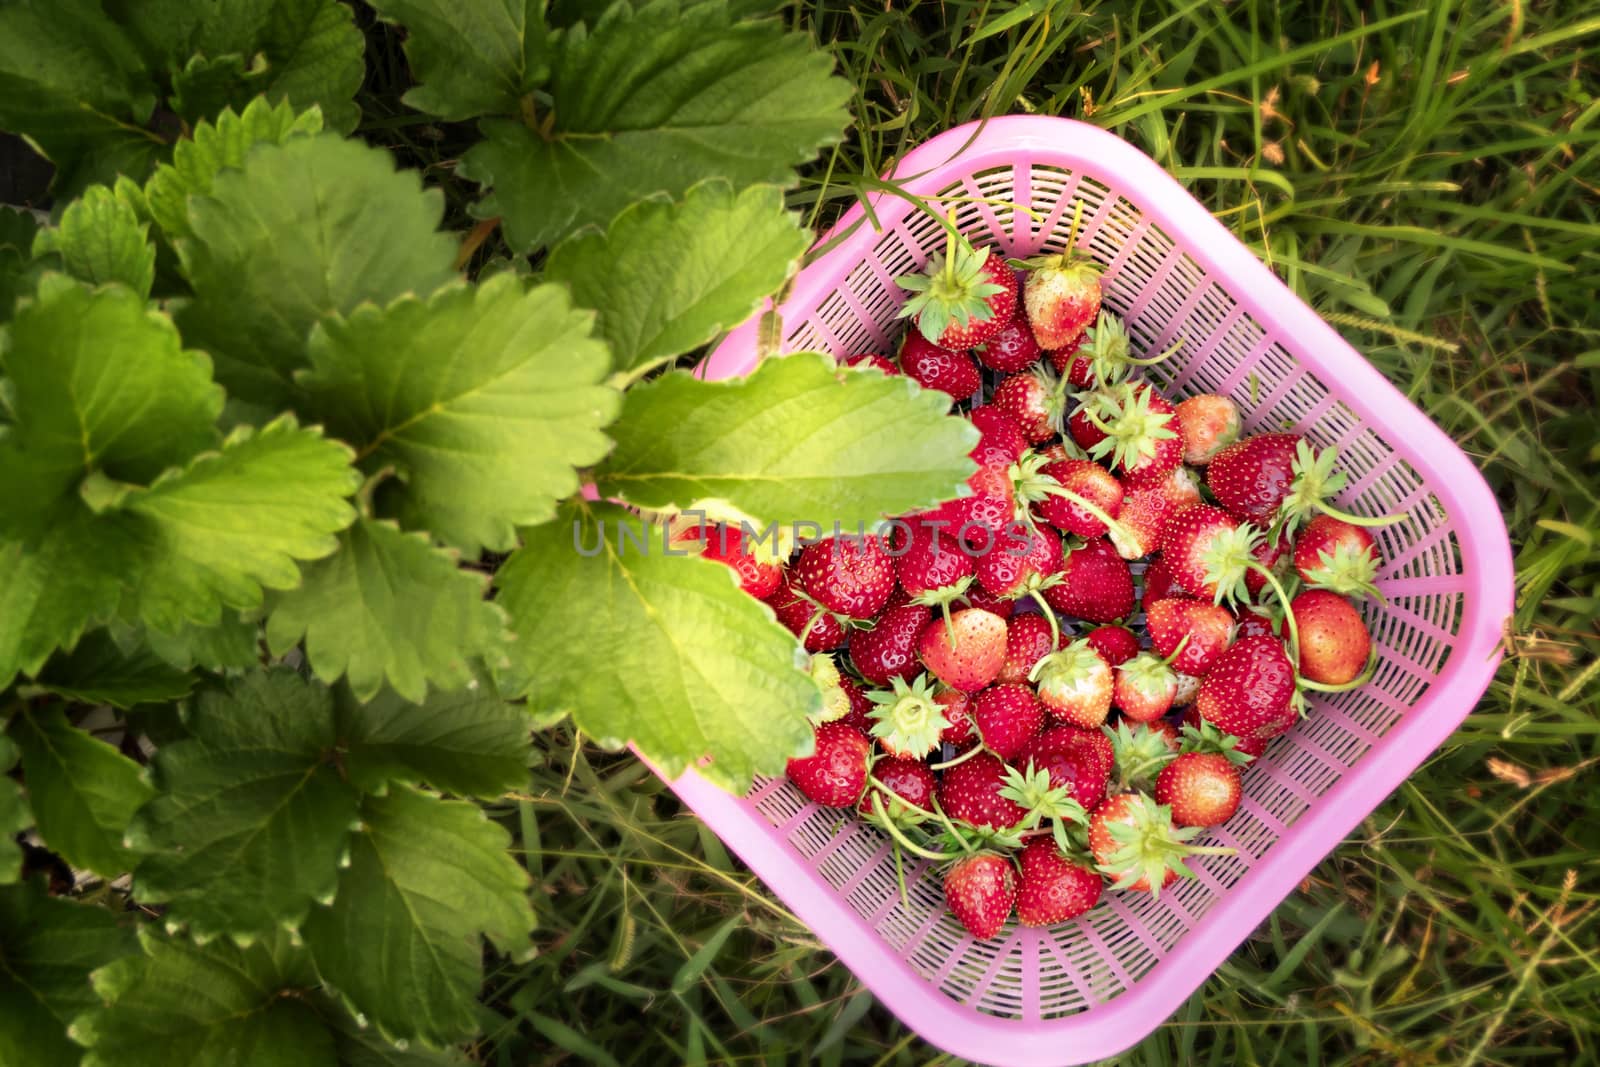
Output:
(1089, 988)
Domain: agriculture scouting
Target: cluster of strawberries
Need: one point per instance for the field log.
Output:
(987, 703)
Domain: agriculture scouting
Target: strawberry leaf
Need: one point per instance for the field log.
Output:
(83, 791)
(427, 879)
(471, 57)
(100, 671)
(49, 946)
(797, 440)
(252, 818)
(100, 239)
(213, 147)
(668, 277)
(304, 228)
(484, 399)
(388, 607)
(14, 818)
(654, 100)
(468, 742)
(661, 650)
(183, 1003)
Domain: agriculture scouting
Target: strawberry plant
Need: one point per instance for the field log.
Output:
(313, 513)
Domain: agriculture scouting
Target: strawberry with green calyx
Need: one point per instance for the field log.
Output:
(1029, 638)
(1251, 690)
(1062, 293)
(1206, 424)
(933, 367)
(970, 794)
(1011, 349)
(1201, 788)
(835, 698)
(850, 576)
(1109, 352)
(1008, 716)
(1135, 432)
(1035, 792)
(1278, 478)
(979, 597)
(1167, 730)
(1074, 496)
(1138, 752)
(1202, 736)
(1054, 885)
(1079, 761)
(931, 569)
(887, 649)
(1145, 512)
(964, 297)
(965, 652)
(1070, 362)
(1337, 556)
(1336, 651)
(1144, 688)
(870, 361)
(835, 774)
(1189, 634)
(1208, 554)
(900, 790)
(981, 890)
(820, 628)
(1036, 400)
(1116, 644)
(1074, 685)
(1007, 572)
(1096, 584)
(1137, 845)
(906, 720)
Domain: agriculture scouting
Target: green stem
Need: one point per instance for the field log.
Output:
(951, 235)
(1154, 360)
(950, 827)
(915, 849)
(1049, 617)
(1288, 613)
(1355, 683)
(968, 754)
(990, 200)
(1091, 507)
(1357, 520)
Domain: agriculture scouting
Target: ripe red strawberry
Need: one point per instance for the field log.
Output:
(1028, 641)
(849, 575)
(957, 706)
(1008, 717)
(1252, 476)
(795, 611)
(1337, 556)
(1250, 690)
(1084, 479)
(888, 649)
(979, 597)
(1206, 424)
(1054, 887)
(1207, 552)
(1035, 400)
(1011, 349)
(1070, 362)
(1116, 644)
(969, 793)
(1012, 569)
(1062, 296)
(1002, 443)
(1334, 642)
(1075, 685)
(1137, 438)
(758, 576)
(964, 297)
(1145, 513)
(909, 780)
(1144, 688)
(859, 717)
(869, 361)
(1220, 740)
(933, 571)
(1078, 760)
(1267, 553)
(1208, 627)
(836, 772)
(972, 659)
(1136, 844)
(973, 521)
(933, 367)
(981, 890)
(1158, 584)
(1201, 788)
(1096, 584)
(1251, 623)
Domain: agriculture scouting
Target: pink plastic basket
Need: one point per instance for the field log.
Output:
(1091, 988)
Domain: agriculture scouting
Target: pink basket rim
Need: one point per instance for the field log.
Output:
(1106, 1029)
